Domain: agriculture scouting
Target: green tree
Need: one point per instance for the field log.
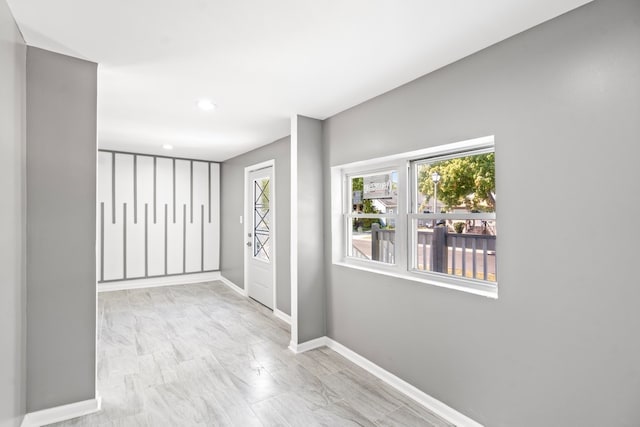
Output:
(460, 178)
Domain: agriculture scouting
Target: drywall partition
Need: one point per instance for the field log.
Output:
(308, 284)
(12, 221)
(61, 225)
(157, 216)
(560, 346)
(232, 208)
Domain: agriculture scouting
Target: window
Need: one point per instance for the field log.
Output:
(261, 219)
(371, 223)
(428, 216)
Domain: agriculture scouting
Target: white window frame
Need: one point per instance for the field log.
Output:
(405, 217)
(400, 220)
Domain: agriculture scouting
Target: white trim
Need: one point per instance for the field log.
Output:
(294, 231)
(247, 171)
(61, 413)
(429, 402)
(476, 143)
(282, 315)
(233, 286)
(245, 228)
(337, 214)
(96, 337)
(97, 312)
(308, 345)
(455, 216)
(479, 289)
(274, 248)
(183, 279)
(371, 216)
(277, 313)
(400, 245)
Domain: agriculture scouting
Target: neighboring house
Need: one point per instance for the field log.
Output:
(386, 205)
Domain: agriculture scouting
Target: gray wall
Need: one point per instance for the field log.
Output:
(311, 277)
(560, 346)
(61, 229)
(232, 207)
(12, 221)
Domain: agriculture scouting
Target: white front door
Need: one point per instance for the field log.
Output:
(259, 237)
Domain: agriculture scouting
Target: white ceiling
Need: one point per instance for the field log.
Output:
(259, 61)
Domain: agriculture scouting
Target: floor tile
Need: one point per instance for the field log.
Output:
(202, 355)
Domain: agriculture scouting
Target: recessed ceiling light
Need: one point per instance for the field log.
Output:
(167, 146)
(206, 105)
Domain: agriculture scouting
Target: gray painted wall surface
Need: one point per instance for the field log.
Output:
(311, 276)
(61, 229)
(232, 237)
(12, 221)
(560, 346)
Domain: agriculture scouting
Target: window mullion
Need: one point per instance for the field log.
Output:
(401, 223)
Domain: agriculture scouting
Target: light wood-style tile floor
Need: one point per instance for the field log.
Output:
(202, 355)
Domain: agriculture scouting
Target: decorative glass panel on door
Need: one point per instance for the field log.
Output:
(261, 219)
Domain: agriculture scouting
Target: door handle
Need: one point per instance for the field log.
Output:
(248, 243)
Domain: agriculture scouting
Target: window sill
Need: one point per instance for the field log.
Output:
(488, 293)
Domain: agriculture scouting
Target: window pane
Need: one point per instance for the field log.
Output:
(373, 239)
(261, 219)
(375, 194)
(457, 185)
(442, 249)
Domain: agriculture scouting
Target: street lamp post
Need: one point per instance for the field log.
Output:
(439, 243)
(435, 177)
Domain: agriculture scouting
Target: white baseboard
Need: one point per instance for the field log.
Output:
(282, 315)
(61, 413)
(429, 402)
(233, 286)
(279, 314)
(183, 279)
(308, 345)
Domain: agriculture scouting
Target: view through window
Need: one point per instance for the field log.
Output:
(430, 218)
(453, 228)
(374, 209)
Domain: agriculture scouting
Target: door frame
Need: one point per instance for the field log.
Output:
(248, 221)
